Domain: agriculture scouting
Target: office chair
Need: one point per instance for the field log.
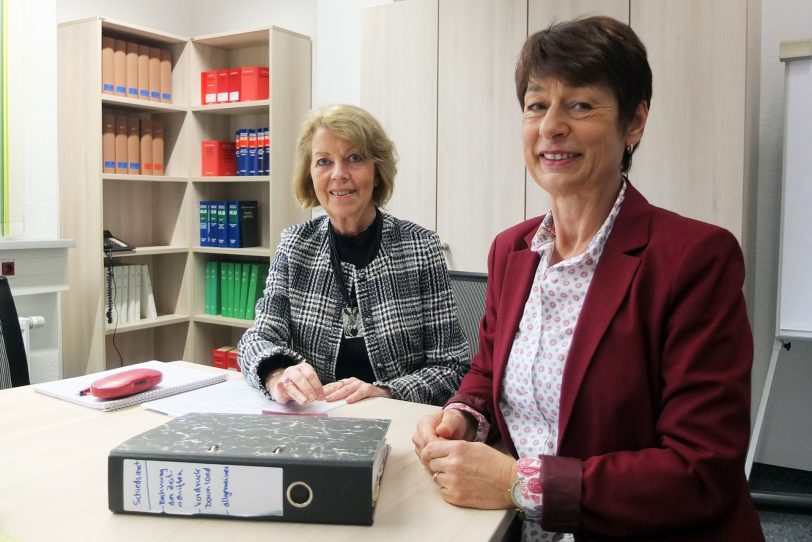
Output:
(469, 291)
(13, 363)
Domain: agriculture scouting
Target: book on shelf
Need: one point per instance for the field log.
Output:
(312, 469)
(252, 152)
(205, 223)
(132, 70)
(157, 147)
(222, 86)
(251, 294)
(267, 144)
(217, 158)
(242, 160)
(234, 75)
(212, 288)
(242, 296)
(154, 74)
(208, 87)
(218, 357)
(143, 71)
(222, 222)
(166, 76)
(176, 379)
(134, 293)
(108, 143)
(146, 146)
(120, 67)
(121, 144)
(232, 360)
(133, 145)
(254, 83)
(107, 60)
(148, 309)
(224, 288)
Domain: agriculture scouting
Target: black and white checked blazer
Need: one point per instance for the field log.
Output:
(414, 340)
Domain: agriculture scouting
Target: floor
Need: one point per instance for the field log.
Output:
(783, 524)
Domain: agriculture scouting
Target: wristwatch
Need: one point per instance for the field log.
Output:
(515, 491)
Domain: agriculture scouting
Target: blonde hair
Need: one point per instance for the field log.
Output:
(357, 126)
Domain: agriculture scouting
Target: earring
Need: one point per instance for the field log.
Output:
(629, 149)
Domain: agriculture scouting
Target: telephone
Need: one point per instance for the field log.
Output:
(112, 244)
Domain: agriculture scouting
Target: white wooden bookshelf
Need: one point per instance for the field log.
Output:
(160, 214)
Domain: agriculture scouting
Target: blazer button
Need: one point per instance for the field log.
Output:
(362, 276)
(379, 365)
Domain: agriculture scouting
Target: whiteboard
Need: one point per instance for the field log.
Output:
(794, 311)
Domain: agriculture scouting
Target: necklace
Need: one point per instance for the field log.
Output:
(351, 322)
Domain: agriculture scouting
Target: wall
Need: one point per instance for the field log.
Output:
(786, 438)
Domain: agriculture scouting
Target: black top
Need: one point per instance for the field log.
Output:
(359, 250)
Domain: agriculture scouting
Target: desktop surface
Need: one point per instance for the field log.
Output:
(54, 481)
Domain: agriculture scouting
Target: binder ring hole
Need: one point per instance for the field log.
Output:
(299, 494)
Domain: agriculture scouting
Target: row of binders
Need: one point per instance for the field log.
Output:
(132, 145)
(136, 70)
(229, 224)
(129, 294)
(240, 84)
(249, 154)
(233, 288)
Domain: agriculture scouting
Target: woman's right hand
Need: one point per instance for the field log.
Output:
(299, 383)
(451, 424)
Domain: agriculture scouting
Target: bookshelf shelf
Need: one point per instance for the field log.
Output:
(143, 178)
(233, 179)
(141, 105)
(236, 108)
(160, 214)
(223, 321)
(164, 320)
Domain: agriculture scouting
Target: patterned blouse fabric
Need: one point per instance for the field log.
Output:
(532, 385)
(415, 343)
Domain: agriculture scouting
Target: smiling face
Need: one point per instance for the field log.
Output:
(573, 141)
(343, 180)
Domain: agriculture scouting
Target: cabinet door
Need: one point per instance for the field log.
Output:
(541, 14)
(399, 87)
(480, 171)
(691, 159)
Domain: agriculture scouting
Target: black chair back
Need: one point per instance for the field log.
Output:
(13, 363)
(469, 292)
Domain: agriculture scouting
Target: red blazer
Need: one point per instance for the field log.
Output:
(655, 399)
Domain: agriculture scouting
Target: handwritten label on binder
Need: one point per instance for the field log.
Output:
(175, 487)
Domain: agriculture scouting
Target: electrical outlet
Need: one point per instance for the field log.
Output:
(7, 268)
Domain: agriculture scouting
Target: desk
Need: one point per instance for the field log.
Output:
(53, 482)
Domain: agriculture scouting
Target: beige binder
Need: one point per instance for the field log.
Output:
(166, 76)
(146, 146)
(134, 145)
(121, 144)
(108, 76)
(143, 72)
(120, 67)
(155, 74)
(132, 70)
(157, 147)
(108, 143)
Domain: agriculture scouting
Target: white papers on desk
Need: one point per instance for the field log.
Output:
(233, 397)
(176, 379)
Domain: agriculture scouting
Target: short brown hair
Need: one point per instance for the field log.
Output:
(360, 128)
(589, 51)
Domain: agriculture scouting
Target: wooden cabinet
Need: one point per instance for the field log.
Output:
(459, 173)
(160, 214)
(697, 156)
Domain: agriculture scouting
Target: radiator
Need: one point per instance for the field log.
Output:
(28, 323)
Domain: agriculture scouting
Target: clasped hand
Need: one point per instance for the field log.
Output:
(470, 474)
(301, 384)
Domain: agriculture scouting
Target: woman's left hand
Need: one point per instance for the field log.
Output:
(353, 390)
(471, 474)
